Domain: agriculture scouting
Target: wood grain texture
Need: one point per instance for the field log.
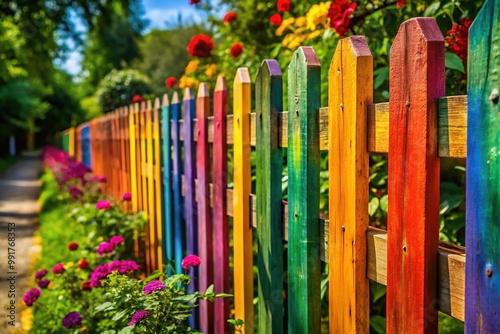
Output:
(350, 91)
(483, 174)
(157, 182)
(269, 164)
(179, 229)
(303, 183)
(242, 187)
(168, 218)
(416, 82)
(221, 233)
(133, 159)
(142, 155)
(205, 234)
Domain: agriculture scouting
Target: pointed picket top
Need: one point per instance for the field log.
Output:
(149, 105)
(165, 101)
(125, 110)
(203, 90)
(307, 55)
(188, 94)
(142, 106)
(482, 280)
(136, 107)
(221, 84)
(175, 97)
(242, 75)
(157, 103)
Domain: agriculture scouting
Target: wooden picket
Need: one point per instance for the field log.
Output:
(188, 204)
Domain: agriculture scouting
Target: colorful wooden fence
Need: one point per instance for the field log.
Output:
(188, 202)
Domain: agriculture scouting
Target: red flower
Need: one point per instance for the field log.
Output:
(230, 17)
(137, 98)
(400, 3)
(276, 20)
(73, 246)
(83, 264)
(193, 2)
(200, 46)
(236, 50)
(340, 15)
(86, 286)
(284, 5)
(458, 38)
(171, 82)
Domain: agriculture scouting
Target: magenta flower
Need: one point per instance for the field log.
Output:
(31, 296)
(116, 240)
(72, 320)
(153, 286)
(138, 316)
(127, 197)
(100, 273)
(105, 248)
(43, 283)
(103, 205)
(40, 274)
(190, 261)
(58, 269)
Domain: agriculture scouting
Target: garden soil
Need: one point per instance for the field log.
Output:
(19, 191)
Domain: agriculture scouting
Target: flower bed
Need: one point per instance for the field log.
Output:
(88, 278)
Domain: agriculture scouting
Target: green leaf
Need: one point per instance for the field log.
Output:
(377, 322)
(384, 203)
(105, 306)
(153, 276)
(373, 206)
(126, 330)
(223, 295)
(454, 62)
(381, 74)
(210, 289)
(377, 290)
(119, 315)
(432, 9)
(275, 52)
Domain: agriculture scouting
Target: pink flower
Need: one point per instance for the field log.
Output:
(190, 261)
(43, 283)
(105, 248)
(31, 296)
(103, 205)
(40, 274)
(58, 269)
(116, 240)
(127, 197)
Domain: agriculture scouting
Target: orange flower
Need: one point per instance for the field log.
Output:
(230, 17)
(276, 20)
(236, 50)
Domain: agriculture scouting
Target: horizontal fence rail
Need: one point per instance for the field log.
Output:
(173, 157)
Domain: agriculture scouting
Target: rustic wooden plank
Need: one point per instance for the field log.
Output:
(483, 174)
(134, 190)
(157, 183)
(205, 240)
(221, 233)
(242, 187)
(350, 90)
(168, 218)
(452, 127)
(142, 155)
(179, 231)
(269, 165)
(304, 305)
(416, 82)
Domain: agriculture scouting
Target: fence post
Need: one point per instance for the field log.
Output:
(153, 238)
(190, 213)
(176, 174)
(416, 82)
(242, 180)
(157, 178)
(350, 91)
(482, 280)
(205, 246)
(221, 234)
(166, 135)
(269, 163)
(304, 275)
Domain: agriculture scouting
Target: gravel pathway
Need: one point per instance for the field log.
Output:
(19, 191)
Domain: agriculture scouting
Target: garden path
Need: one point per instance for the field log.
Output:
(19, 191)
